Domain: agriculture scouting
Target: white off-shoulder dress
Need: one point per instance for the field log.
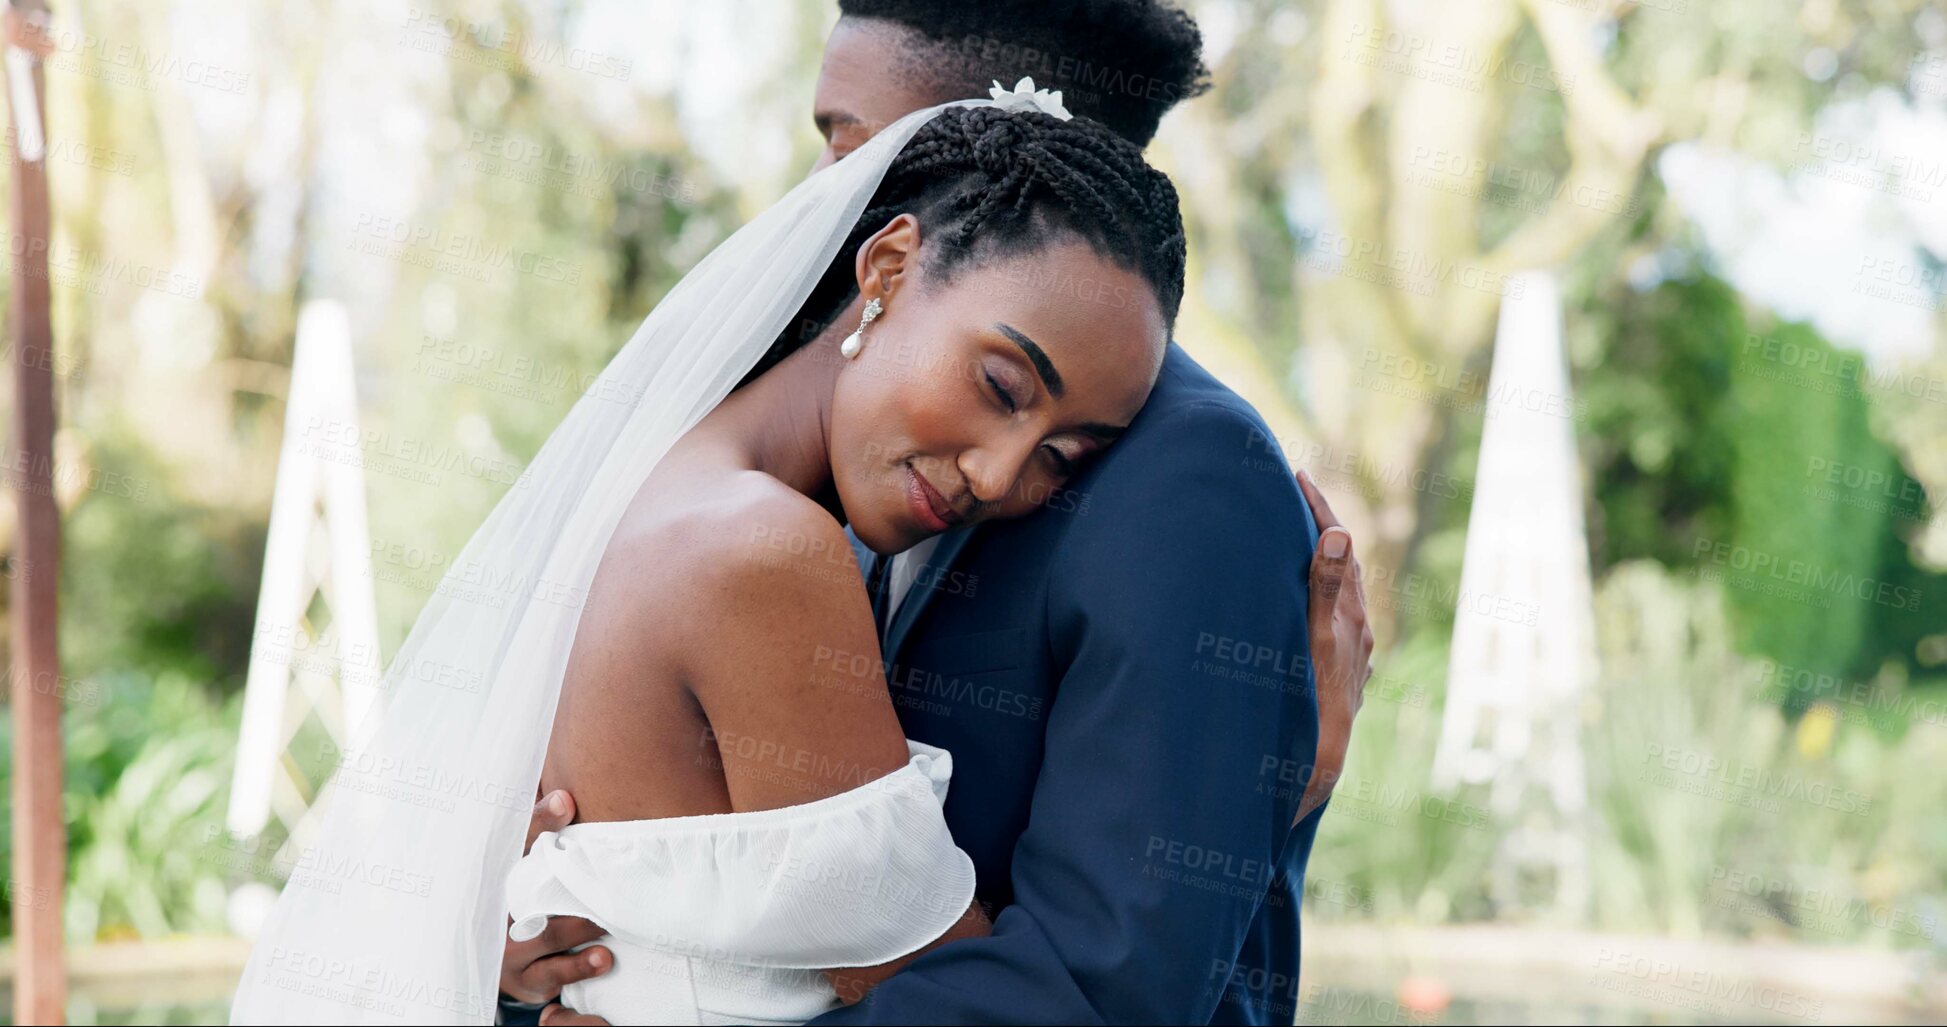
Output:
(728, 918)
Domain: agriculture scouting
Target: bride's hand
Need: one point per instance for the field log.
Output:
(1341, 646)
(535, 971)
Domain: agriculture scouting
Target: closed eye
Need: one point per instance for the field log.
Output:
(1062, 464)
(1006, 398)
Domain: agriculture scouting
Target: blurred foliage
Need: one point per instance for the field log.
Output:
(148, 771)
(1830, 828)
(1693, 439)
(1780, 432)
(1660, 433)
(1769, 832)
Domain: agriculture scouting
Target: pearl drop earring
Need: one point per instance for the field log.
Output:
(856, 341)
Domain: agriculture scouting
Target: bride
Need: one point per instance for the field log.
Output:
(938, 330)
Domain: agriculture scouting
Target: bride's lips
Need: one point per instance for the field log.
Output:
(935, 514)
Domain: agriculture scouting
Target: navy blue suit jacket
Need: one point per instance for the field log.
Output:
(1124, 681)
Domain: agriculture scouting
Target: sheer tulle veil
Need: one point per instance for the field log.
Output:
(427, 811)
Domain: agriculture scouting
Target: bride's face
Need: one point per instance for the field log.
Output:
(980, 395)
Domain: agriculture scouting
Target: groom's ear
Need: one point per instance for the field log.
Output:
(889, 259)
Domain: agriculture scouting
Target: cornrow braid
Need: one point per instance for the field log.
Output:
(987, 183)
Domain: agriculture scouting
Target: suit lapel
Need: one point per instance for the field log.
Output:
(874, 578)
(923, 590)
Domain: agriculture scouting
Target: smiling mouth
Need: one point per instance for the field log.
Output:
(933, 509)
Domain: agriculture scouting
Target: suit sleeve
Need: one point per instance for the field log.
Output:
(1176, 746)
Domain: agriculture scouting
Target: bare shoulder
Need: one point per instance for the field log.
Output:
(762, 547)
(750, 548)
(773, 637)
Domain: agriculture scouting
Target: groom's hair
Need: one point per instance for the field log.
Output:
(1124, 63)
(989, 183)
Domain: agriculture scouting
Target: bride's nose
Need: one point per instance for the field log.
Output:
(993, 468)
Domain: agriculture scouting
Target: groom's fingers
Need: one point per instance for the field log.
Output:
(1334, 555)
(534, 970)
(544, 978)
(557, 1015)
(555, 811)
(1321, 510)
(565, 932)
(1329, 568)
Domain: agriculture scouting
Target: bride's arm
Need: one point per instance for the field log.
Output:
(780, 654)
(787, 671)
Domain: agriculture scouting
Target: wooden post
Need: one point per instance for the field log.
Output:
(39, 837)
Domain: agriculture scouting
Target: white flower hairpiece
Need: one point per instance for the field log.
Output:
(1024, 97)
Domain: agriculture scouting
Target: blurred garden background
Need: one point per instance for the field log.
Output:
(1744, 203)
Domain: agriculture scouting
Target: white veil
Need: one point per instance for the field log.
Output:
(397, 913)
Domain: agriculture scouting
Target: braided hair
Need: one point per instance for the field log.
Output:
(989, 183)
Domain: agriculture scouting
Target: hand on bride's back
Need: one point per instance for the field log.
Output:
(1341, 646)
(535, 971)
(558, 1015)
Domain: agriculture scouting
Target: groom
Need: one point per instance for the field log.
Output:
(1146, 694)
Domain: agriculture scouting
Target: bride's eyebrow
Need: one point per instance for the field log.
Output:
(1042, 365)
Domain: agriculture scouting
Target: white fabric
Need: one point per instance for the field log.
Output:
(726, 918)
(428, 810)
(905, 570)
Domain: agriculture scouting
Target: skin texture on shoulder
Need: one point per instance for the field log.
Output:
(789, 680)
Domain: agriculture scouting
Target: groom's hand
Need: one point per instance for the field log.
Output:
(1341, 646)
(558, 1015)
(534, 971)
